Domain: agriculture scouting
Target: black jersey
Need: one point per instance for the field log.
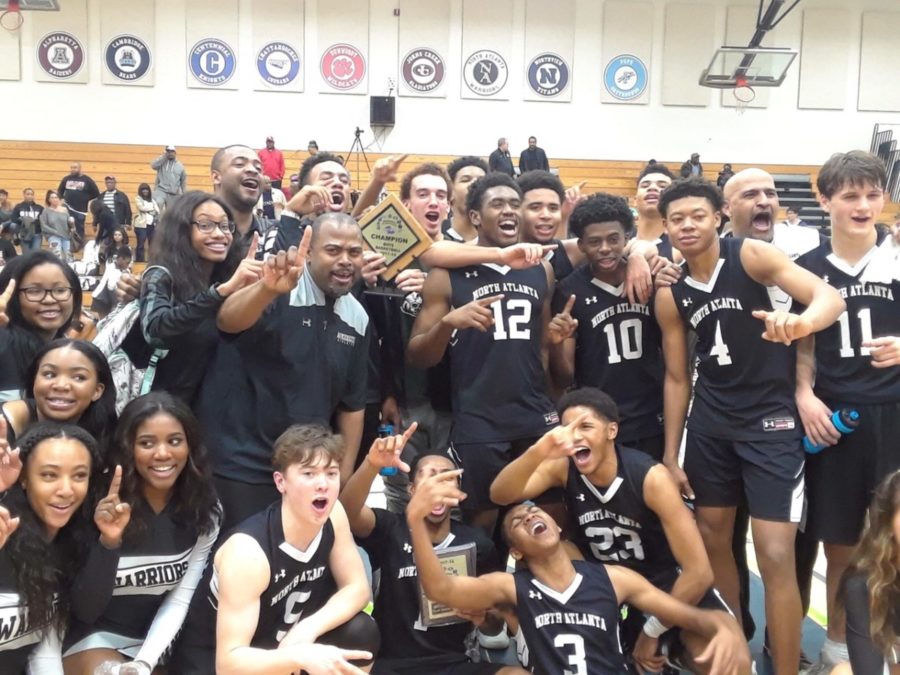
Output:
(614, 523)
(844, 371)
(18, 637)
(499, 388)
(664, 246)
(403, 636)
(126, 587)
(559, 260)
(301, 583)
(618, 348)
(573, 631)
(745, 385)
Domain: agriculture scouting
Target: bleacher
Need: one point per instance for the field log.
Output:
(41, 165)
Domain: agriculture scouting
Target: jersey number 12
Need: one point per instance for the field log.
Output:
(515, 325)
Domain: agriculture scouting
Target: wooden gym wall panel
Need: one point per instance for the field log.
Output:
(823, 59)
(878, 82)
(627, 30)
(688, 45)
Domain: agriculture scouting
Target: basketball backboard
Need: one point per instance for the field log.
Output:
(33, 5)
(748, 66)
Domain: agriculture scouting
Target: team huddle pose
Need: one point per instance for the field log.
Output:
(596, 406)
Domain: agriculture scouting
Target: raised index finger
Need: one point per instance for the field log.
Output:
(490, 300)
(570, 303)
(397, 161)
(577, 421)
(303, 249)
(410, 431)
(116, 482)
(8, 293)
(254, 244)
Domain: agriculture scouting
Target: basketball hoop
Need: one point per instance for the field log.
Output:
(743, 95)
(12, 18)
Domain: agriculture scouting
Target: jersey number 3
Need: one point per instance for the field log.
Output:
(577, 657)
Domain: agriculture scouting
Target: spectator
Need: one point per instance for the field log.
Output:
(293, 188)
(104, 294)
(271, 201)
(104, 227)
(463, 171)
(500, 159)
(171, 179)
(57, 225)
(312, 148)
(533, 158)
(145, 221)
(6, 207)
(7, 248)
(272, 162)
(117, 202)
(792, 216)
(692, 167)
(724, 175)
(76, 191)
(236, 177)
(25, 215)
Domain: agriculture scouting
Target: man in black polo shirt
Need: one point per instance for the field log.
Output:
(77, 190)
(294, 353)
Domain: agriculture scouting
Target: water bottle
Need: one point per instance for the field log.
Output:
(384, 431)
(845, 420)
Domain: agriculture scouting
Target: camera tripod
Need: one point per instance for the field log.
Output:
(358, 148)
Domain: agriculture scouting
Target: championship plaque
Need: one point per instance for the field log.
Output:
(391, 230)
(457, 561)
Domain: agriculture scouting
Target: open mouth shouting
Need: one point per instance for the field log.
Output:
(338, 198)
(762, 221)
(537, 527)
(320, 506)
(581, 455)
(251, 184)
(343, 276)
(509, 226)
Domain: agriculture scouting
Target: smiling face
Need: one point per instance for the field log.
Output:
(541, 215)
(498, 219)
(432, 465)
(336, 179)
(854, 209)
(428, 202)
(310, 490)
(461, 182)
(529, 530)
(55, 481)
(210, 246)
(603, 245)
(648, 190)
(594, 438)
(237, 178)
(160, 454)
(49, 314)
(691, 223)
(65, 385)
(751, 202)
(336, 257)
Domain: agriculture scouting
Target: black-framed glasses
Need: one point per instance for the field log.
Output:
(207, 226)
(37, 293)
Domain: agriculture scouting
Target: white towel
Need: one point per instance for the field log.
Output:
(884, 267)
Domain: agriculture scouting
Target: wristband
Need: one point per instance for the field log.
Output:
(653, 627)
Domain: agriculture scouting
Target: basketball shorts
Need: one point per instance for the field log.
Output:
(842, 478)
(769, 474)
(481, 462)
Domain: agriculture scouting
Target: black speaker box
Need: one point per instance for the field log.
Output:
(381, 111)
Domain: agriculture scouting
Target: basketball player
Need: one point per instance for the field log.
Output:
(567, 610)
(653, 179)
(617, 345)
(409, 646)
(463, 171)
(543, 196)
(494, 319)
(626, 508)
(287, 582)
(855, 363)
(743, 439)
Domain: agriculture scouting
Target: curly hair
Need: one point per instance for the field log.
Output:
(876, 558)
(43, 569)
(485, 183)
(426, 169)
(194, 496)
(541, 180)
(601, 208)
(461, 163)
(310, 162)
(690, 187)
(655, 167)
(173, 250)
(99, 418)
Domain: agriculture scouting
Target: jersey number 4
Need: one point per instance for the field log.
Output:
(513, 326)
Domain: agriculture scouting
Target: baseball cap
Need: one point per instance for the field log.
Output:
(170, 147)
(695, 154)
(312, 144)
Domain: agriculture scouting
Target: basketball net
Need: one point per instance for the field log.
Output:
(12, 18)
(743, 95)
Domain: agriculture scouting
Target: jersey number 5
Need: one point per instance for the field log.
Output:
(518, 316)
(291, 613)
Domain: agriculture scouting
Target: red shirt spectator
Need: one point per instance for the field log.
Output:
(272, 162)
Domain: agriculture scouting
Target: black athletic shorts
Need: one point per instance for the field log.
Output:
(481, 462)
(842, 478)
(769, 473)
(654, 446)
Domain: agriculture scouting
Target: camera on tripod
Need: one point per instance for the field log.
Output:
(358, 132)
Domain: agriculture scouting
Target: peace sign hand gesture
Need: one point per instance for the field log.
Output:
(112, 515)
(10, 463)
(4, 301)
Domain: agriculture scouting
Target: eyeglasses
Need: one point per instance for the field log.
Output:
(207, 226)
(37, 294)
